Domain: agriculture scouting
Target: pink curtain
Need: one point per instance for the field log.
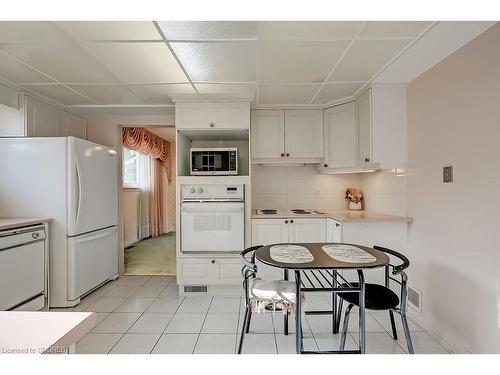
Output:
(156, 198)
(147, 143)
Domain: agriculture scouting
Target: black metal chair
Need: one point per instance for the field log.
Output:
(381, 297)
(272, 295)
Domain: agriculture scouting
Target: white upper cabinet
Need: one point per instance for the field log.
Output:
(268, 134)
(303, 134)
(42, 119)
(212, 115)
(364, 109)
(287, 136)
(72, 125)
(340, 136)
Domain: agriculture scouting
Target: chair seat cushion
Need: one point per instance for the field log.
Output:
(377, 297)
(280, 293)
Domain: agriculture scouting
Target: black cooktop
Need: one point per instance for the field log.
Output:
(269, 211)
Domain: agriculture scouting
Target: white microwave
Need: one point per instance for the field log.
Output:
(214, 161)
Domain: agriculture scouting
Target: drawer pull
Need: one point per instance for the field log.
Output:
(213, 261)
(35, 235)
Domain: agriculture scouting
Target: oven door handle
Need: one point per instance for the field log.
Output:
(201, 210)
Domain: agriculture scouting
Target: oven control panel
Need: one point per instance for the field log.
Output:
(212, 192)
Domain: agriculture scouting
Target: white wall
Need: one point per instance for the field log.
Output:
(385, 192)
(130, 216)
(454, 119)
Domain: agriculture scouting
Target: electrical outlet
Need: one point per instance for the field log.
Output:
(448, 174)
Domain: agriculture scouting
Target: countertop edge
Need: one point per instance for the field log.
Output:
(18, 222)
(342, 217)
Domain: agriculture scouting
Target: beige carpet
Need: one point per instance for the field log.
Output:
(152, 256)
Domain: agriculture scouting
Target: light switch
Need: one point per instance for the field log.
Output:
(448, 174)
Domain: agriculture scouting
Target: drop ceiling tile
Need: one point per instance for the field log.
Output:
(334, 91)
(287, 94)
(385, 29)
(110, 30)
(365, 58)
(19, 73)
(59, 93)
(202, 30)
(304, 62)
(307, 30)
(138, 62)
(65, 62)
(17, 31)
(219, 61)
(159, 94)
(108, 94)
(233, 88)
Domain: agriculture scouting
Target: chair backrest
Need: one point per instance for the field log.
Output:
(396, 269)
(249, 267)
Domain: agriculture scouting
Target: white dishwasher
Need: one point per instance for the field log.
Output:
(23, 268)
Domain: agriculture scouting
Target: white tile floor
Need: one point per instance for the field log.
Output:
(142, 314)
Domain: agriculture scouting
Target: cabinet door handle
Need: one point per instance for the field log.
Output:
(286, 221)
(282, 154)
(287, 154)
(337, 224)
(325, 165)
(367, 160)
(212, 124)
(213, 261)
(291, 221)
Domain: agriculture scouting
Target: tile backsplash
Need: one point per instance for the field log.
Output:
(286, 187)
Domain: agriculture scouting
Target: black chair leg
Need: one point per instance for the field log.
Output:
(393, 325)
(243, 329)
(345, 326)
(247, 326)
(338, 318)
(407, 334)
(285, 324)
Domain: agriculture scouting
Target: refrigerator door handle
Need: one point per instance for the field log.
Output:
(78, 192)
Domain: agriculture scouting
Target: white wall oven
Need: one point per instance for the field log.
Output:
(212, 218)
(214, 161)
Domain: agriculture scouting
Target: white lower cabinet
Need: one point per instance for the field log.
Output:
(333, 230)
(296, 230)
(209, 271)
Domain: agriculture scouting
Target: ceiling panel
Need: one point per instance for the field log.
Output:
(334, 91)
(16, 31)
(365, 58)
(65, 62)
(18, 73)
(138, 62)
(305, 62)
(159, 94)
(60, 94)
(110, 30)
(307, 30)
(246, 89)
(203, 30)
(287, 94)
(219, 61)
(384, 29)
(108, 94)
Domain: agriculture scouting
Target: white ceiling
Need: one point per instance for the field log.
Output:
(134, 63)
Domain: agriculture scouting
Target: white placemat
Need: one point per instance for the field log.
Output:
(290, 254)
(348, 254)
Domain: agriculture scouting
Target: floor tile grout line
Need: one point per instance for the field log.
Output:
(237, 327)
(202, 324)
(164, 329)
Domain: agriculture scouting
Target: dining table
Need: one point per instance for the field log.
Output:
(318, 267)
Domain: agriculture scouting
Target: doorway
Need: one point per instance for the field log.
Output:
(149, 200)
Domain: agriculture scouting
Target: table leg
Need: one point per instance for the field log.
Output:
(298, 315)
(362, 332)
(285, 316)
(335, 323)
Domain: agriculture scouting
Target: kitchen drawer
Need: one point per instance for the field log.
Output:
(209, 271)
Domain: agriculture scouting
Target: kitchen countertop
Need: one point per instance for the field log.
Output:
(35, 332)
(339, 215)
(16, 222)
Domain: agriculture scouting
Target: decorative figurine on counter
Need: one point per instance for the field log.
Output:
(355, 198)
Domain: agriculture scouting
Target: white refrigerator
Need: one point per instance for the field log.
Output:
(75, 183)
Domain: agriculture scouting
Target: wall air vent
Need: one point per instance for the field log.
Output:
(195, 288)
(415, 299)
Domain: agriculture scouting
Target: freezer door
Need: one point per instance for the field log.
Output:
(92, 259)
(92, 186)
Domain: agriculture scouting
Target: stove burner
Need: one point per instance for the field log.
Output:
(269, 211)
(300, 211)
